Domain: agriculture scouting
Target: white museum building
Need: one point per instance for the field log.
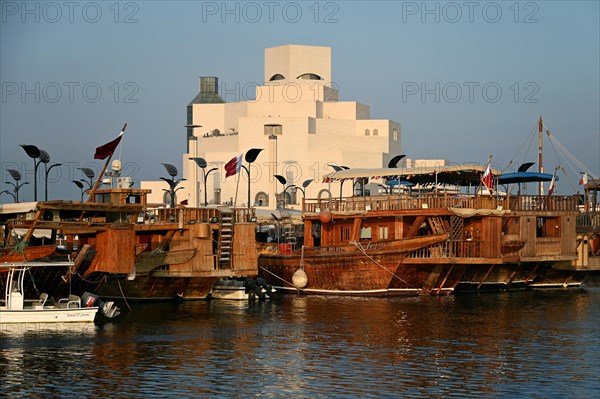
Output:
(298, 122)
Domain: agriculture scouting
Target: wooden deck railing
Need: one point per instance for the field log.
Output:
(455, 249)
(588, 222)
(187, 215)
(394, 202)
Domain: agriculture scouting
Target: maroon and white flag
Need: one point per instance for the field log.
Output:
(106, 150)
(233, 166)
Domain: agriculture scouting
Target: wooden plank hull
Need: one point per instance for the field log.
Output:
(373, 270)
(29, 254)
(149, 288)
(149, 261)
(515, 276)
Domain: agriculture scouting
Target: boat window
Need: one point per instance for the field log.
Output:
(365, 233)
(345, 233)
(383, 232)
(548, 227)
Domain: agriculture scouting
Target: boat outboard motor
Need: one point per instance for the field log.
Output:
(268, 289)
(108, 309)
(253, 289)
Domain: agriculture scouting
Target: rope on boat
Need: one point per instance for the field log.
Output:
(280, 278)
(123, 295)
(360, 247)
(90, 281)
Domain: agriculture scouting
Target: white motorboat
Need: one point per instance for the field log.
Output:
(17, 309)
(241, 289)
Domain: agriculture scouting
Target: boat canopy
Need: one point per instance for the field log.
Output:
(463, 175)
(524, 177)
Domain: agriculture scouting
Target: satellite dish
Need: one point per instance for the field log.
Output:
(116, 165)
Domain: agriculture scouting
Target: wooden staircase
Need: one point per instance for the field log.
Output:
(289, 230)
(225, 244)
(437, 225)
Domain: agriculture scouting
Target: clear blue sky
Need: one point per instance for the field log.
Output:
(73, 72)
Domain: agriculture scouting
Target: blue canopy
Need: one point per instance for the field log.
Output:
(524, 177)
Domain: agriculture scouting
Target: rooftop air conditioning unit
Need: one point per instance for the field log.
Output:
(124, 182)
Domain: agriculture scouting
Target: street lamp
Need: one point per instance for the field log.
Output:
(201, 163)
(8, 192)
(172, 171)
(80, 185)
(45, 159)
(90, 174)
(394, 161)
(34, 153)
(250, 157)
(283, 182)
(17, 186)
(305, 184)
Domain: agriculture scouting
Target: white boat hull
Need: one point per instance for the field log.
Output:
(48, 315)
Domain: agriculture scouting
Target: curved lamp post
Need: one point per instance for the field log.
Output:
(80, 185)
(17, 186)
(201, 163)
(90, 174)
(34, 153)
(172, 171)
(250, 157)
(394, 161)
(283, 182)
(305, 184)
(45, 159)
(8, 192)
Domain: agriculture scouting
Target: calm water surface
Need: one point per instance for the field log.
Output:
(535, 344)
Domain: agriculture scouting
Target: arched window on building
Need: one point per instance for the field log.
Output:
(310, 76)
(277, 76)
(375, 132)
(367, 132)
(261, 199)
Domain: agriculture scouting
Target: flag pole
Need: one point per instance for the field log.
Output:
(237, 186)
(101, 175)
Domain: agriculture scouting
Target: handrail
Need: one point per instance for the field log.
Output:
(432, 201)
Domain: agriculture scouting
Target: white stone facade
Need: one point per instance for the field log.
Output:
(311, 129)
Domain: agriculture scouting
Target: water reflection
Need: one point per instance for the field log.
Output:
(536, 344)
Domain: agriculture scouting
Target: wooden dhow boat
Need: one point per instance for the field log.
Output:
(481, 241)
(123, 247)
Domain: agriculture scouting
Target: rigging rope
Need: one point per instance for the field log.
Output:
(280, 278)
(360, 247)
(123, 295)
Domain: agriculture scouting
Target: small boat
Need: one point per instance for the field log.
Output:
(26, 254)
(241, 289)
(17, 309)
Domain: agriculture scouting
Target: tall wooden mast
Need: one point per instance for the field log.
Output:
(540, 163)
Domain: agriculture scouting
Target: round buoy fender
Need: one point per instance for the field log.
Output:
(299, 278)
